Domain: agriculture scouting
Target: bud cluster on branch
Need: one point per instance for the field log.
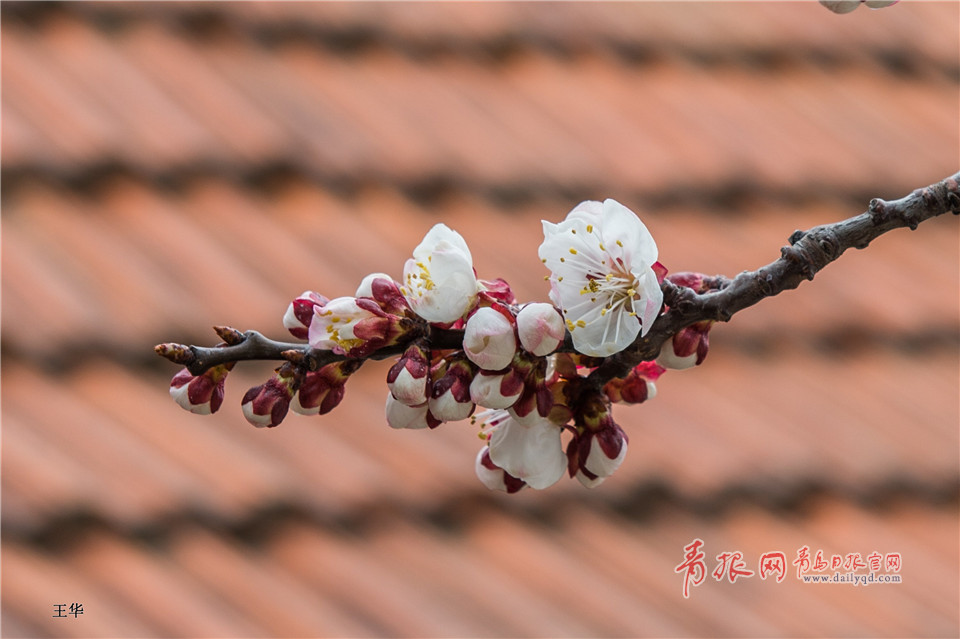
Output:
(539, 379)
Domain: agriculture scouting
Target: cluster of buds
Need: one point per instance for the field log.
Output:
(465, 349)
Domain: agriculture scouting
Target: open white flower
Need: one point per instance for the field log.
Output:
(601, 261)
(439, 282)
(526, 448)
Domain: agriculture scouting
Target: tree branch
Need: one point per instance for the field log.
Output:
(807, 253)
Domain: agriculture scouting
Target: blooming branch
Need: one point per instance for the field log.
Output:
(806, 254)
(544, 372)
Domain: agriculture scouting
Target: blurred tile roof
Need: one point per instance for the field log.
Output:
(171, 166)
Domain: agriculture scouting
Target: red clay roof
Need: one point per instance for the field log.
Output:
(172, 166)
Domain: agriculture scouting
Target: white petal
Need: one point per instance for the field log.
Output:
(530, 451)
(298, 408)
(260, 421)
(604, 336)
(442, 237)
(485, 391)
(400, 415)
(599, 464)
(589, 482)
(447, 409)
(588, 211)
(181, 395)
(408, 389)
(651, 299)
(489, 477)
(668, 358)
(365, 289)
(621, 224)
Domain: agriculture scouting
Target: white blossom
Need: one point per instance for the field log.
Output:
(439, 282)
(601, 260)
(529, 448)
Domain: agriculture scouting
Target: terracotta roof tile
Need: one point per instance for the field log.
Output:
(171, 166)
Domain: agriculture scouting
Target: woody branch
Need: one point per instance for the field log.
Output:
(807, 253)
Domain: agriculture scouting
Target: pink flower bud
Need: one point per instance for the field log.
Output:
(409, 378)
(201, 394)
(599, 445)
(541, 328)
(489, 340)
(494, 477)
(497, 291)
(400, 415)
(366, 284)
(321, 391)
(496, 390)
(300, 313)
(450, 399)
(355, 326)
(595, 455)
(266, 405)
(687, 348)
(638, 385)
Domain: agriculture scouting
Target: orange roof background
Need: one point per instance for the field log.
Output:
(171, 166)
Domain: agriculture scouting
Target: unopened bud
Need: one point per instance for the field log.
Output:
(489, 340)
(599, 445)
(300, 313)
(409, 378)
(366, 284)
(322, 390)
(450, 399)
(497, 290)
(595, 455)
(266, 405)
(355, 326)
(637, 386)
(494, 477)
(201, 394)
(401, 416)
(541, 328)
(687, 348)
(496, 390)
